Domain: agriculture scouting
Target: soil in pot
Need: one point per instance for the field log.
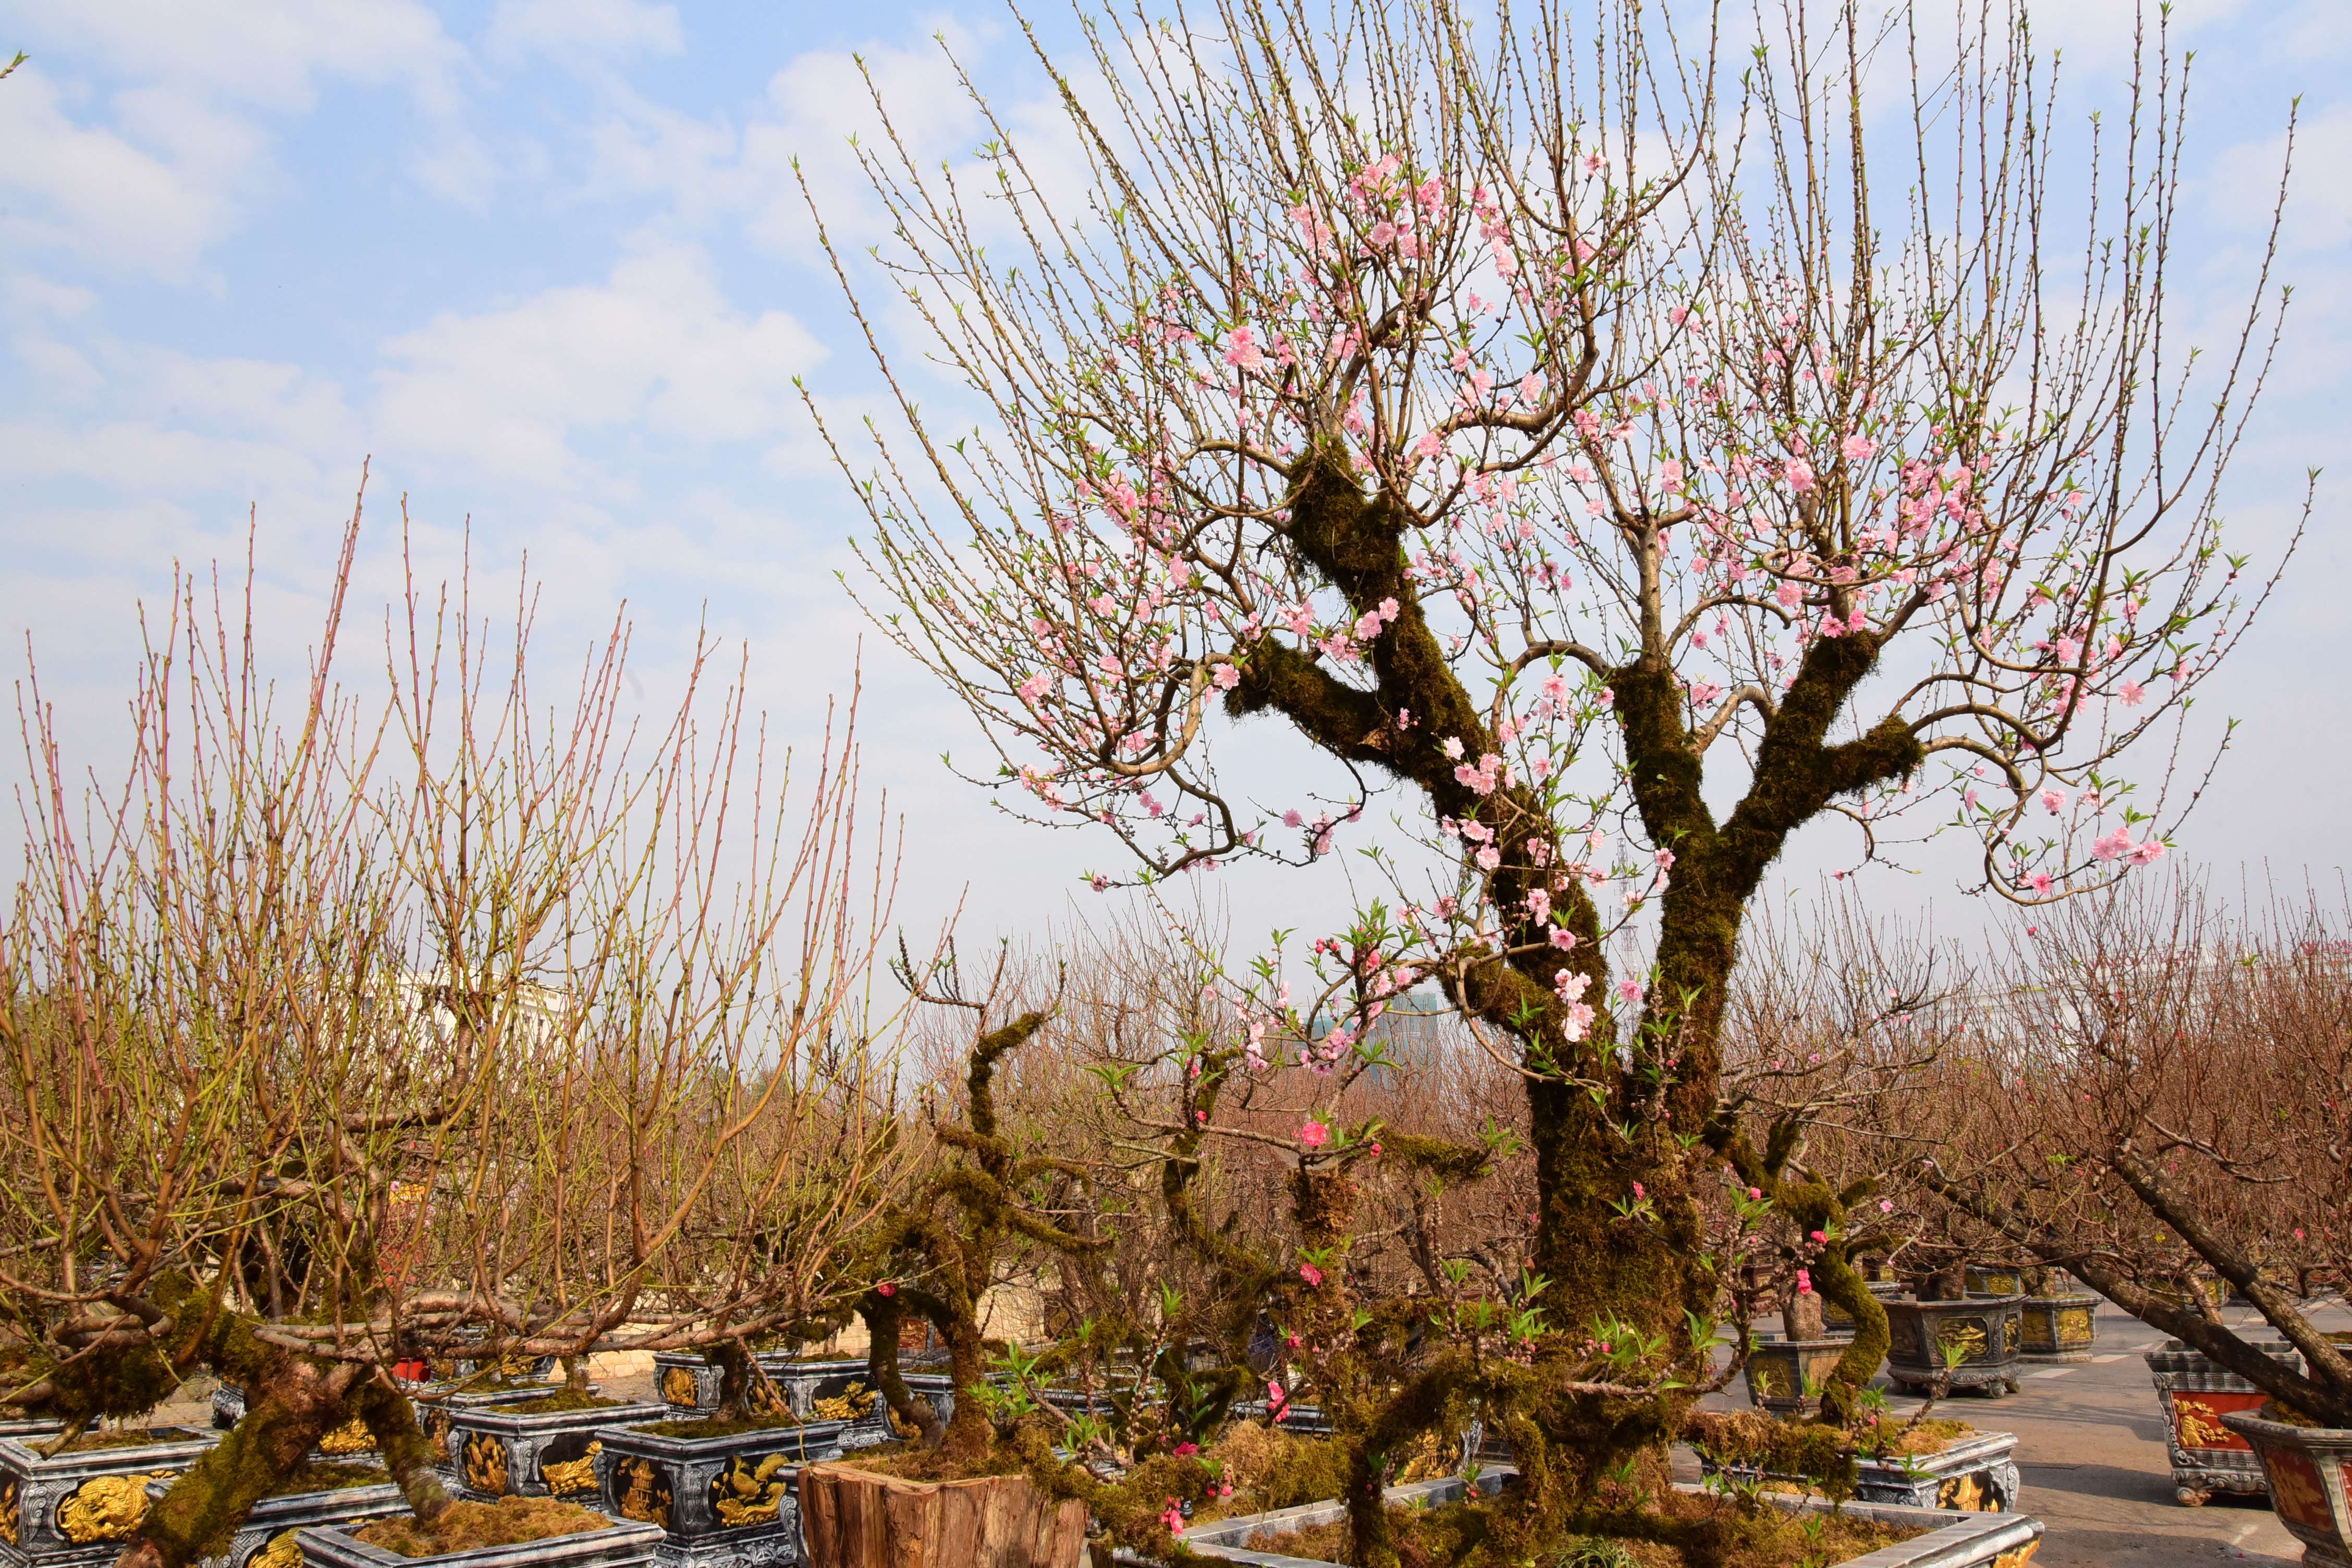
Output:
(559, 1403)
(470, 1526)
(328, 1479)
(717, 1428)
(1715, 1534)
(129, 1437)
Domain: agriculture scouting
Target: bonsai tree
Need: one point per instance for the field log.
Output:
(940, 1247)
(1617, 489)
(355, 1030)
(2168, 1082)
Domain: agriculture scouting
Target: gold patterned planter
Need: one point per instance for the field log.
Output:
(1997, 1281)
(497, 1452)
(1782, 1375)
(80, 1508)
(2310, 1474)
(2198, 1396)
(1986, 1330)
(721, 1503)
(2059, 1328)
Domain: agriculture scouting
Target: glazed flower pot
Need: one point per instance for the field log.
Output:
(2059, 1328)
(80, 1508)
(2310, 1474)
(625, 1544)
(1838, 1322)
(721, 1503)
(1997, 1279)
(266, 1538)
(1950, 1540)
(1781, 1374)
(2198, 1395)
(1976, 1474)
(351, 1439)
(498, 1452)
(1986, 1330)
(834, 1388)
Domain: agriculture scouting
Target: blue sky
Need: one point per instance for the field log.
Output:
(543, 264)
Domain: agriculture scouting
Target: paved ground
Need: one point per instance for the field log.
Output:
(2091, 1451)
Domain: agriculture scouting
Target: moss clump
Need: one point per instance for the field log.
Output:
(910, 1462)
(329, 1478)
(1885, 1434)
(723, 1429)
(470, 1526)
(1677, 1530)
(561, 1401)
(129, 1437)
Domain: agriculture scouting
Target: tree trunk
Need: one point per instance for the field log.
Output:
(1801, 1316)
(294, 1404)
(852, 1518)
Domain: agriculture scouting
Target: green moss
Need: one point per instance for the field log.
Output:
(129, 1437)
(469, 1526)
(716, 1428)
(328, 1479)
(558, 1403)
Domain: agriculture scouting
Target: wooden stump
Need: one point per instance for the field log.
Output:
(854, 1518)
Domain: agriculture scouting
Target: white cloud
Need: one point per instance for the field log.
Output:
(173, 155)
(657, 346)
(575, 28)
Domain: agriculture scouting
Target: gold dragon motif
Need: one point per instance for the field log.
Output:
(745, 1494)
(104, 1507)
(570, 1478)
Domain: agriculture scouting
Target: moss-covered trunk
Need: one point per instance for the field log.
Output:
(969, 1430)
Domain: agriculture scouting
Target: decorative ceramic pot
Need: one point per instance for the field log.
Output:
(1950, 1540)
(686, 1383)
(351, 1439)
(2059, 1328)
(2197, 1394)
(1837, 1320)
(1977, 1474)
(2310, 1473)
(624, 1544)
(497, 1452)
(1781, 1374)
(835, 1388)
(1985, 1330)
(721, 1503)
(80, 1508)
(1995, 1279)
(266, 1538)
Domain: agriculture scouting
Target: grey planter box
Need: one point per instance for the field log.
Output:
(2196, 1395)
(437, 1406)
(2059, 1328)
(1987, 1330)
(1837, 1320)
(1975, 1475)
(720, 1502)
(686, 1383)
(78, 1509)
(1953, 1539)
(1779, 1371)
(496, 1452)
(266, 1538)
(349, 1441)
(626, 1544)
(807, 1381)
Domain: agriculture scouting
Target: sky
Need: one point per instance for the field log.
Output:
(543, 267)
